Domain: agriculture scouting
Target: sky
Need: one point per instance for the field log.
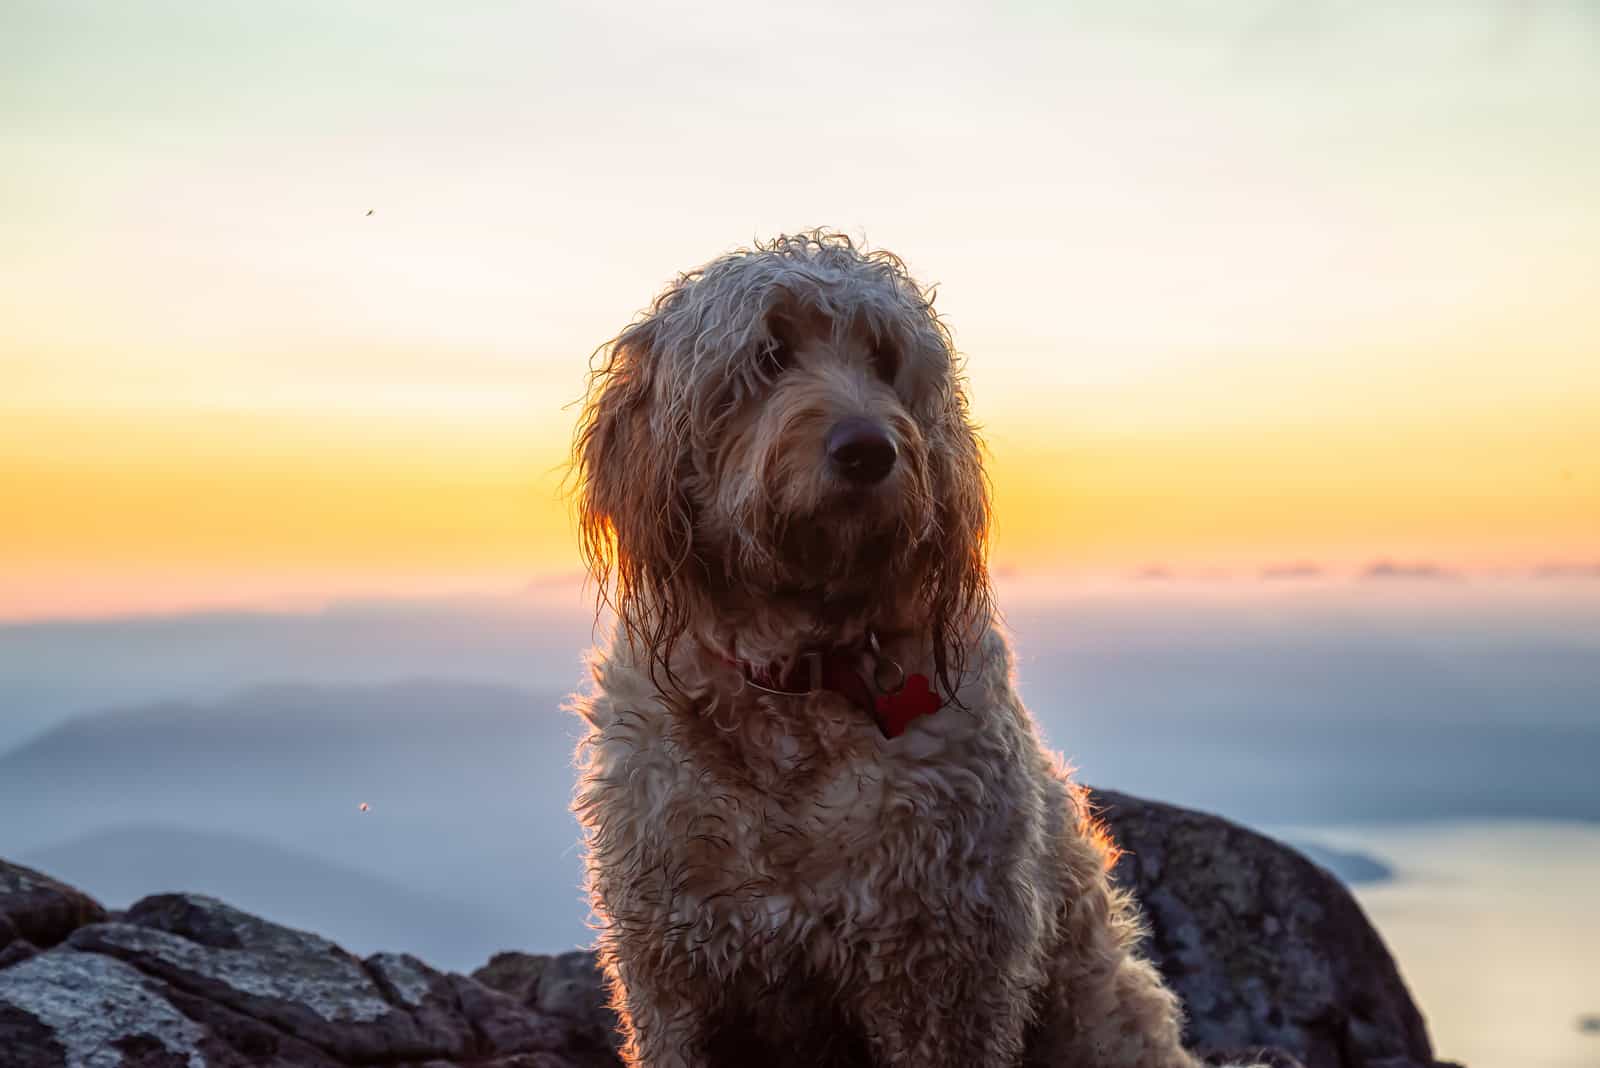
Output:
(295, 298)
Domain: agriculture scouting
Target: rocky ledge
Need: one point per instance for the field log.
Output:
(1268, 951)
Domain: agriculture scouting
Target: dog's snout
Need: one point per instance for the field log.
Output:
(861, 450)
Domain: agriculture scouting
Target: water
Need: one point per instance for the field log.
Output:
(1496, 927)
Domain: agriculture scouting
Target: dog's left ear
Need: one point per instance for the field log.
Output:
(958, 590)
(635, 520)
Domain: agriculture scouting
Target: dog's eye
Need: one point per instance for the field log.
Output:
(776, 357)
(885, 362)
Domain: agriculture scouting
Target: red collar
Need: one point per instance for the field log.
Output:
(840, 670)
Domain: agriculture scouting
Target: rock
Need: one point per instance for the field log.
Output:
(1270, 953)
(83, 1006)
(36, 909)
(515, 974)
(1265, 947)
(18, 951)
(567, 987)
(186, 981)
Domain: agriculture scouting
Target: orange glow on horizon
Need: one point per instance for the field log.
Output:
(139, 513)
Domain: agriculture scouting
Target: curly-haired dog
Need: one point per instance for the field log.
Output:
(821, 827)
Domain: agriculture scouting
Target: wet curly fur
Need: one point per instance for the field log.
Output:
(775, 881)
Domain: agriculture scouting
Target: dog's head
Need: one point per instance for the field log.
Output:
(781, 447)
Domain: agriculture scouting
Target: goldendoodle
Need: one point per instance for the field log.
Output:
(821, 827)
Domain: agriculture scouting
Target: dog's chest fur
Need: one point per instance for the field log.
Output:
(787, 833)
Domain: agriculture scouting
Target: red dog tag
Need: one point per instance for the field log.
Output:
(897, 710)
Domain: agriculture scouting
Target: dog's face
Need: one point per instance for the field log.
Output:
(783, 442)
(818, 479)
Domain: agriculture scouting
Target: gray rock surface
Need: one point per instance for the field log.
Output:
(36, 911)
(185, 981)
(1270, 953)
(1265, 947)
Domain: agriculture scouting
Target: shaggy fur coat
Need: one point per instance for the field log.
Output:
(776, 462)
(777, 883)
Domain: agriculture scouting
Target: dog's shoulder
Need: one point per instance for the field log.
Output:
(619, 689)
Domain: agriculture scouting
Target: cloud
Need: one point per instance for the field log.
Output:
(1394, 569)
(1298, 570)
(1567, 570)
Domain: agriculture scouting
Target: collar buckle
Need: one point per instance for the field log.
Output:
(814, 676)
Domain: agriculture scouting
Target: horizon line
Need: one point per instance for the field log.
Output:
(1409, 573)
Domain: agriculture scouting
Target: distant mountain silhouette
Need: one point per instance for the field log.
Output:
(467, 788)
(1351, 867)
(52, 670)
(121, 864)
(351, 730)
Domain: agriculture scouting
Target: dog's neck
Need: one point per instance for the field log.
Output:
(780, 628)
(870, 678)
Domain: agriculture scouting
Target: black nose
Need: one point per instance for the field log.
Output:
(861, 451)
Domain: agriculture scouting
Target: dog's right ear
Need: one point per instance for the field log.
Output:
(634, 519)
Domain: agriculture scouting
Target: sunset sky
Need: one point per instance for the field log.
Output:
(294, 296)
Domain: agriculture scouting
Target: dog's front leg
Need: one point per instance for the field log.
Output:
(945, 1023)
(663, 1023)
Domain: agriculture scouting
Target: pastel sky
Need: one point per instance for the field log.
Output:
(1238, 283)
